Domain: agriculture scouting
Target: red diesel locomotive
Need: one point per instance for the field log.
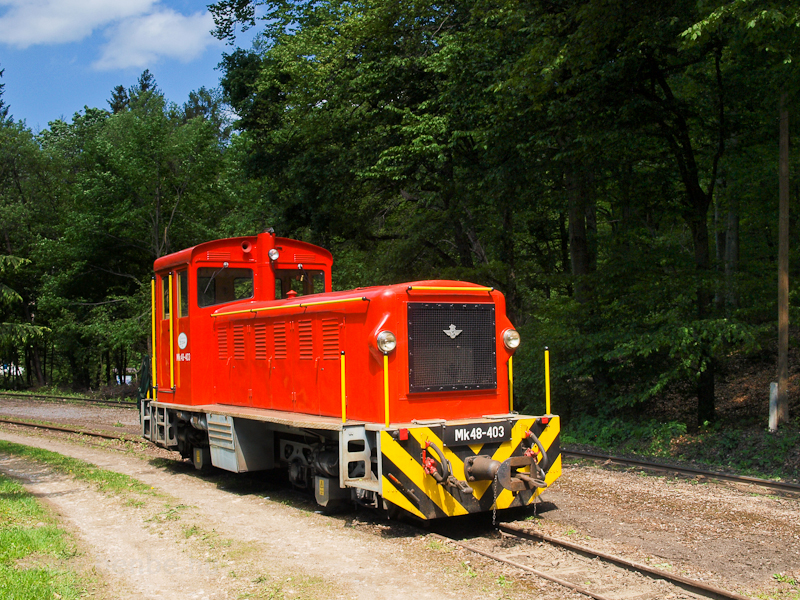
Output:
(397, 397)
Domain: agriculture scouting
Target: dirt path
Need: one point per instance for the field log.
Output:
(211, 543)
(131, 556)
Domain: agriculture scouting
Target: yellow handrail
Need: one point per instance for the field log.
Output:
(510, 384)
(153, 382)
(171, 337)
(386, 388)
(301, 305)
(547, 380)
(344, 397)
(437, 288)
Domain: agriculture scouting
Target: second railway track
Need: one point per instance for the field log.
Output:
(51, 427)
(50, 397)
(589, 572)
(785, 487)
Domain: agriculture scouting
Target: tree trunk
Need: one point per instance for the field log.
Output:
(565, 259)
(705, 382)
(732, 252)
(580, 258)
(783, 265)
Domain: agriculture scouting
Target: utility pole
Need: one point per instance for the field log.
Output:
(783, 266)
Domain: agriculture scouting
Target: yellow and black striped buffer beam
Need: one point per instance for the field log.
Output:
(406, 484)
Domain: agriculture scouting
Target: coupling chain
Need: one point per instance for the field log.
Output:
(494, 504)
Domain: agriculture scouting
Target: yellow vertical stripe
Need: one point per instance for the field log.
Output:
(510, 384)
(153, 382)
(547, 381)
(344, 397)
(171, 337)
(386, 388)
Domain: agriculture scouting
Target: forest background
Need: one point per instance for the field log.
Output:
(611, 167)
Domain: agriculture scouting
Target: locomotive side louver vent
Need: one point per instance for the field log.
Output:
(301, 258)
(451, 347)
(218, 256)
(238, 342)
(222, 343)
(261, 341)
(306, 340)
(330, 339)
(279, 335)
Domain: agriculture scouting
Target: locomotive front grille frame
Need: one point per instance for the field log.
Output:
(451, 347)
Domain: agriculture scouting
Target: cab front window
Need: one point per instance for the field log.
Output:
(302, 281)
(218, 285)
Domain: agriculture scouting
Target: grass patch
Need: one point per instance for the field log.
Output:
(297, 588)
(105, 481)
(746, 451)
(33, 550)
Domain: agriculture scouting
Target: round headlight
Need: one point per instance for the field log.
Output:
(273, 254)
(386, 341)
(511, 338)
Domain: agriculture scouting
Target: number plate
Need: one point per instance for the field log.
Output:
(477, 433)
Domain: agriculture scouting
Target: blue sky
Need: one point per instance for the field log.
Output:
(62, 55)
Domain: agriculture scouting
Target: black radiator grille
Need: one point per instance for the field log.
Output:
(451, 347)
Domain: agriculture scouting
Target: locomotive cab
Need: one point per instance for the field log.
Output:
(397, 396)
(193, 283)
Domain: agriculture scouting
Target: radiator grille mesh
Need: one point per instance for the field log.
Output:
(437, 361)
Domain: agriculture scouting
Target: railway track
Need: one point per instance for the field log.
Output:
(589, 572)
(117, 403)
(49, 427)
(784, 487)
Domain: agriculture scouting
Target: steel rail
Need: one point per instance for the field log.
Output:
(120, 403)
(107, 436)
(783, 486)
(690, 585)
(538, 573)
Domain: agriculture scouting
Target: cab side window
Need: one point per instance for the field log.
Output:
(183, 294)
(165, 308)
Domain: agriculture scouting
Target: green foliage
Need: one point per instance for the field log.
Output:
(620, 435)
(608, 167)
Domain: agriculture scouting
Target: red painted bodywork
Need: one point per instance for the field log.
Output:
(243, 359)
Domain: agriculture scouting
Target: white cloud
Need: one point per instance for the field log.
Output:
(141, 41)
(139, 32)
(30, 22)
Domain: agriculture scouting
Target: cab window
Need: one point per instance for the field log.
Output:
(183, 294)
(165, 297)
(217, 285)
(304, 282)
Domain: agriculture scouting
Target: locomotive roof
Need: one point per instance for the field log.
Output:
(183, 257)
